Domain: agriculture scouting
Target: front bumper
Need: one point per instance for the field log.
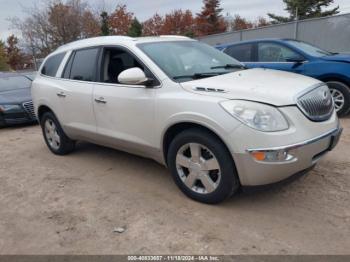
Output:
(23, 116)
(11, 119)
(304, 155)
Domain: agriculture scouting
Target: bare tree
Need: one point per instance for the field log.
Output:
(56, 23)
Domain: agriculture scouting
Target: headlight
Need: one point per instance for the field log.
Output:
(256, 115)
(10, 108)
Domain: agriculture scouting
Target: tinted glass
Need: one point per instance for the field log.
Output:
(84, 65)
(309, 49)
(242, 53)
(186, 58)
(52, 64)
(115, 61)
(13, 83)
(271, 52)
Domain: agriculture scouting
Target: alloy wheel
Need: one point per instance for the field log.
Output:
(52, 136)
(198, 168)
(338, 98)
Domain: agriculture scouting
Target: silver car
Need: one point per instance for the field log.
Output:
(216, 125)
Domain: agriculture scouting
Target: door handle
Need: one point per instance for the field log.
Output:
(61, 94)
(100, 100)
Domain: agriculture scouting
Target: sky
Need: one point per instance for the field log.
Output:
(144, 9)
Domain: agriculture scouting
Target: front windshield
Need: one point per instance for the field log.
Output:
(188, 60)
(13, 82)
(309, 49)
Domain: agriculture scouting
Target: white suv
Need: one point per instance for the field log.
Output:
(215, 124)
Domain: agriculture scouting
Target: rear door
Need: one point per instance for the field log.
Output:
(76, 90)
(49, 80)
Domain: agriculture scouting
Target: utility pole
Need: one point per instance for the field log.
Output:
(296, 24)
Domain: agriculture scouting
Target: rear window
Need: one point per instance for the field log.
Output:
(52, 64)
(242, 53)
(13, 83)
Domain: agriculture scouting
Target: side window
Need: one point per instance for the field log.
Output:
(115, 61)
(52, 64)
(271, 52)
(68, 67)
(84, 65)
(242, 53)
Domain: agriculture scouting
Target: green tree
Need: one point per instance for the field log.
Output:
(209, 20)
(135, 29)
(305, 9)
(104, 24)
(3, 58)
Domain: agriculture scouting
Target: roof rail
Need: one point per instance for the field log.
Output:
(175, 36)
(91, 38)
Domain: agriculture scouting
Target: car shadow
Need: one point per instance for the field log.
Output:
(159, 174)
(17, 126)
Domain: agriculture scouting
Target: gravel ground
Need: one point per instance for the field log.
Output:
(75, 204)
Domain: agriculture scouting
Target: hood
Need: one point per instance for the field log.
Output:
(17, 96)
(262, 85)
(345, 58)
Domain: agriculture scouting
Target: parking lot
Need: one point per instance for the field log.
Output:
(72, 204)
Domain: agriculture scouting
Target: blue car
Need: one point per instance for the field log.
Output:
(298, 57)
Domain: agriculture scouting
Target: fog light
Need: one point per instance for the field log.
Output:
(272, 156)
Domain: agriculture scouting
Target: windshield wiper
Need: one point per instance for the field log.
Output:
(229, 66)
(199, 75)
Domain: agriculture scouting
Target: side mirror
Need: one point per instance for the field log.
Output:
(298, 61)
(133, 76)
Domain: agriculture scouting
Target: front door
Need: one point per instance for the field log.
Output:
(276, 56)
(124, 113)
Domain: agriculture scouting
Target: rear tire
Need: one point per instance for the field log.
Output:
(341, 96)
(56, 140)
(202, 167)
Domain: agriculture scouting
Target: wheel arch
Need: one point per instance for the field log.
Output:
(176, 128)
(42, 109)
(335, 77)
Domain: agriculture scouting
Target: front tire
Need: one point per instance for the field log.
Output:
(56, 140)
(341, 96)
(202, 167)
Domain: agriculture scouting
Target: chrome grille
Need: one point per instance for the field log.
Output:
(29, 108)
(317, 104)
